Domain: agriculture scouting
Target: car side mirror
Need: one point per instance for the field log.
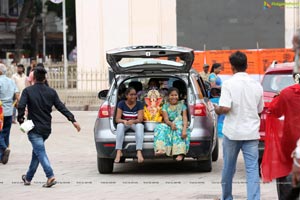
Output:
(102, 94)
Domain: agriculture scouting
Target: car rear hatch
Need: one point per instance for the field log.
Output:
(150, 59)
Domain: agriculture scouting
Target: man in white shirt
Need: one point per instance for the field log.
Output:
(19, 77)
(241, 101)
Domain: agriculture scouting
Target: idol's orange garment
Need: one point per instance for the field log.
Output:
(281, 137)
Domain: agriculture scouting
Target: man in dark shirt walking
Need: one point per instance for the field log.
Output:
(39, 100)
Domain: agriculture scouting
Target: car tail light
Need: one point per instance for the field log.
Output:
(195, 143)
(109, 145)
(105, 111)
(199, 109)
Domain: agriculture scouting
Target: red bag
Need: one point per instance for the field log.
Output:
(274, 162)
(281, 135)
(1, 116)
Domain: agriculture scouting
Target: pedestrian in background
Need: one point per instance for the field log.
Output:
(31, 66)
(281, 141)
(29, 71)
(241, 126)
(8, 92)
(214, 79)
(11, 69)
(20, 80)
(39, 100)
(205, 74)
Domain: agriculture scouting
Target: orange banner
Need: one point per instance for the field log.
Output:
(199, 60)
(258, 60)
(267, 56)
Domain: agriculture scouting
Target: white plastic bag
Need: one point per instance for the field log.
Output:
(26, 126)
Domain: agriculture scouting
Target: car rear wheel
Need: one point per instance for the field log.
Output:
(105, 165)
(215, 153)
(204, 165)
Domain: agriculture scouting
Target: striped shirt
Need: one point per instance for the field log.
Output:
(129, 114)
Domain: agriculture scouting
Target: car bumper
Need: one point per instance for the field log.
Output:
(198, 149)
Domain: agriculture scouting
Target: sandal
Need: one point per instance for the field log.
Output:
(25, 181)
(50, 182)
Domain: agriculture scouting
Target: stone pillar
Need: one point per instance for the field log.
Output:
(292, 21)
(108, 24)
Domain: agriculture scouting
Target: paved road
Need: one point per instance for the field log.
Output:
(73, 158)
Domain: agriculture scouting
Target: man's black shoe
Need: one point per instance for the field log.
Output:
(5, 156)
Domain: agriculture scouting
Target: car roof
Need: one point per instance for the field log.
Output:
(286, 68)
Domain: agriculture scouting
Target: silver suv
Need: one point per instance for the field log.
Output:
(134, 66)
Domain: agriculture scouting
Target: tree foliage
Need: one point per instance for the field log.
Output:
(22, 27)
(30, 19)
(71, 18)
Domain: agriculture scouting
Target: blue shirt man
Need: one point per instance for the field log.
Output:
(8, 92)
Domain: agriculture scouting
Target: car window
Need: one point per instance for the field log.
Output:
(143, 84)
(198, 87)
(202, 86)
(276, 82)
(130, 62)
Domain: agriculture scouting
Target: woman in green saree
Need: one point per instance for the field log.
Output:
(173, 136)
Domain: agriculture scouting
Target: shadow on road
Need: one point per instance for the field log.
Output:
(157, 166)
